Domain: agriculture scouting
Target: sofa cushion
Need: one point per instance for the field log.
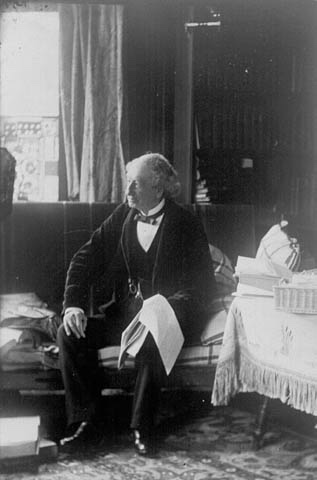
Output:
(213, 332)
(190, 356)
(223, 271)
(278, 247)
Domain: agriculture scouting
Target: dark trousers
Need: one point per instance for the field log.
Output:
(79, 367)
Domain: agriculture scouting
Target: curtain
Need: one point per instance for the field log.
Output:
(91, 96)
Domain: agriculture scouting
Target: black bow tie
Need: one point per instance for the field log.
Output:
(151, 219)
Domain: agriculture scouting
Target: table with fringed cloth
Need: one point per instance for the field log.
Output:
(271, 352)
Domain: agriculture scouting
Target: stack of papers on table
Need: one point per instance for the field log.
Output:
(258, 277)
(249, 290)
(307, 278)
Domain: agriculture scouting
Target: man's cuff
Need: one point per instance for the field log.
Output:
(74, 310)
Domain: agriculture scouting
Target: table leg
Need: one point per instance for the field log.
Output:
(260, 424)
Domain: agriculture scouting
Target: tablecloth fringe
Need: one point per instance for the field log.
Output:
(226, 383)
(296, 391)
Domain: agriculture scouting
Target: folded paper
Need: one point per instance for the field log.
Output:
(157, 318)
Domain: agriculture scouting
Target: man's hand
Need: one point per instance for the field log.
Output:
(75, 322)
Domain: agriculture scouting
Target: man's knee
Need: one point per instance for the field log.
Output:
(149, 352)
(62, 338)
(60, 334)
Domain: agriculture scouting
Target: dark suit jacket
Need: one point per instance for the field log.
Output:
(182, 272)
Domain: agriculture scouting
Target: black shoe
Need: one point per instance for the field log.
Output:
(142, 444)
(79, 436)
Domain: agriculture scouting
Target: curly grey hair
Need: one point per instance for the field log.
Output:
(164, 174)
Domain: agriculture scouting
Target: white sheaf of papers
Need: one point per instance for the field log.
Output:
(304, 279)
(157, 317)
(257, 277)
(7, 334)
(247, 290)
(262, 267)
(9, 337)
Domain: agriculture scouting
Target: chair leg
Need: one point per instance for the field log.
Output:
(259, 430)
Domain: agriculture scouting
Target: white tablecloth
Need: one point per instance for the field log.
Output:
(270, 352)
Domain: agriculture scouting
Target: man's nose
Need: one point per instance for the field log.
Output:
(130, 187)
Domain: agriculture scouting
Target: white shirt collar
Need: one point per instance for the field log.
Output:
(156, 209)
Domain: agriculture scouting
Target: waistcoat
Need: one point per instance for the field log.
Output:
(141, 263)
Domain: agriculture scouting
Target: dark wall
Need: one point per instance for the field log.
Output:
(149, 66)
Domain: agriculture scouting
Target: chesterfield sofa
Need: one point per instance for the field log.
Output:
(37, 243)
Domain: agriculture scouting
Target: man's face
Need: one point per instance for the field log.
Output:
(141, 193)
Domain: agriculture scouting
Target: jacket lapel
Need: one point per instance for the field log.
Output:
(126, 237)
(168, 240)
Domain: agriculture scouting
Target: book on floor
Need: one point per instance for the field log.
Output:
(19, 437)
(48, 450)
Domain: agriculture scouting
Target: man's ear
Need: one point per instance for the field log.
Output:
(159, 192)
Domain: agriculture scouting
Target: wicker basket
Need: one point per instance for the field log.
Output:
(296, 299)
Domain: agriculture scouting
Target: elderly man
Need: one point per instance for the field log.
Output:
(148, 245)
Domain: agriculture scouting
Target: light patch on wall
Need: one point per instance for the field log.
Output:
(29, 63)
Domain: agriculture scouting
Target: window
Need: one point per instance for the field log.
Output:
(29, 101)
